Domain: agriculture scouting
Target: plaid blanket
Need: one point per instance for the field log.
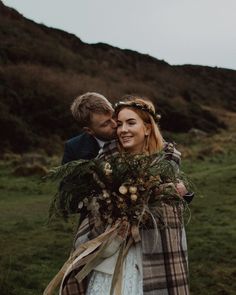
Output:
(164, 250)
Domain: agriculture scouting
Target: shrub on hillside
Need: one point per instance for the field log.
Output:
(15, 134)
(30, 170)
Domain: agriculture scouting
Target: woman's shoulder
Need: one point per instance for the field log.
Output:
(171, 152)
(109, 149)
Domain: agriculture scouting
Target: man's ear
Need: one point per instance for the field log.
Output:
(88, 130)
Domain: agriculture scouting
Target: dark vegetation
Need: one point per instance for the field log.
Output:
(42, 70)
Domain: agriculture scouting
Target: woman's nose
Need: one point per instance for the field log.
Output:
(124, 128)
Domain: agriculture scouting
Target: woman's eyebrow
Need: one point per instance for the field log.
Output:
(130, 119)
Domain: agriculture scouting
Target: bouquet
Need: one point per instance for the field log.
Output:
(123, 187)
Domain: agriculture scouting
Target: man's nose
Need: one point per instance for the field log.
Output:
(113, 123)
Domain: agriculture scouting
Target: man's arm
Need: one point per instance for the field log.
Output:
(172, 154)
(68, 154)
(188, 196)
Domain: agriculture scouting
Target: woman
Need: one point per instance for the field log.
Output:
(144, 257)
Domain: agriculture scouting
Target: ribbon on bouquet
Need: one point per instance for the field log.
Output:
(81, 254)
(93, 252)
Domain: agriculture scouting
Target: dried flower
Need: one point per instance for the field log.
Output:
(107, 169)
(110, 220)
(123, 189)
(133, 189)
(133, 197)
(80, 205)
(86, 201)
(105, 194)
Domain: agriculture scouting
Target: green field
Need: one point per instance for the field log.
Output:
(32, 251)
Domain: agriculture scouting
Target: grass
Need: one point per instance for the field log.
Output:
(211, 232)
(32, 251)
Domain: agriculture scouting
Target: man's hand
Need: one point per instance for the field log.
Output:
(181, 189)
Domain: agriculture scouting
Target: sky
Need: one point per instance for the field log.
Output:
(180, 32)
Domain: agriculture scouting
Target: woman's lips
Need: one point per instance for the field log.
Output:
(126, 138)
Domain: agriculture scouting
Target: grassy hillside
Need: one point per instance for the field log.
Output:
(42, 70)
(211, 232)
(32, 251)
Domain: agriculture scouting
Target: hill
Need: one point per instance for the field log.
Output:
(43, 69)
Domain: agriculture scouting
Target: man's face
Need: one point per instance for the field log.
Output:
(102, 126)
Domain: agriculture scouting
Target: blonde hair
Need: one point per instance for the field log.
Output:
(88, 103)
(154, 141)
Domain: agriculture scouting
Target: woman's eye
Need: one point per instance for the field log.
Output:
(132, 123)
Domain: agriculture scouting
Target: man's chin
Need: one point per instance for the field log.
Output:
(107, 138)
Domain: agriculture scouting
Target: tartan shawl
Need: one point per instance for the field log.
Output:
(164, 250)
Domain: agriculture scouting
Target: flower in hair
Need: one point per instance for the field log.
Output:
(139, 106)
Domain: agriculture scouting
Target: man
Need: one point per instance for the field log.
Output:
(93, 112)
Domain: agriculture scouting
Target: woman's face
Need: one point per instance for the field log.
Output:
(131, 131)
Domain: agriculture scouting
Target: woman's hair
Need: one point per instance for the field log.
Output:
(145, 109)
(88, 103)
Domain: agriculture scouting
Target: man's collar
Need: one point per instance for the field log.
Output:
(100, 142)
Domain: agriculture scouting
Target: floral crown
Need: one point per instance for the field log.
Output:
(139, 106)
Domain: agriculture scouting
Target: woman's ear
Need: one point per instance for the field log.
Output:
(147, 129)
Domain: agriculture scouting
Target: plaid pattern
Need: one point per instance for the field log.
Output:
(110, 149)
(164, 251)
(165, 265)
(72, 287)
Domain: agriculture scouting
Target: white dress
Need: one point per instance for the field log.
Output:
(132, 284)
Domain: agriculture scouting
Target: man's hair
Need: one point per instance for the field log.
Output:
(88, 103)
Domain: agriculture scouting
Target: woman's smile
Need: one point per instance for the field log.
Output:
(131, 131)
(126, 138)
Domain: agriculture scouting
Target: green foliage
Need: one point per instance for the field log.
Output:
(76, 181)
(83, 182)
